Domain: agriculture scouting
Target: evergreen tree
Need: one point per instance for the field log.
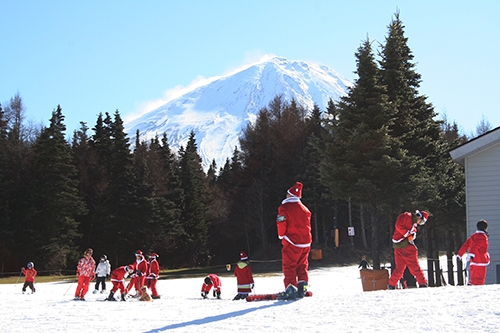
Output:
(364, 162)
(17, 141)
(130, 206)
(166, 228)
(194, 214)
(4, 206)
(419, 133)
(314, 193)
(53, 226)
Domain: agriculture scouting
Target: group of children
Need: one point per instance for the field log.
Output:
(143, 275)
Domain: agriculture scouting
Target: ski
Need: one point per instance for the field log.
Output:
(270, 297)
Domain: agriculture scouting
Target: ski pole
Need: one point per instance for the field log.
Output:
(18, 278)
(70, 284)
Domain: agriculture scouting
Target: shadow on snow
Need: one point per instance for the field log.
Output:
(212, 319)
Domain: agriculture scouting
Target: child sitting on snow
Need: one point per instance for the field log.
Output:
(244, 278)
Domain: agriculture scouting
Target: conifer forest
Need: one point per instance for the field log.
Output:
(377, 152)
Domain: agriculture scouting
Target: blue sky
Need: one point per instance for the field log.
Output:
(100, 56)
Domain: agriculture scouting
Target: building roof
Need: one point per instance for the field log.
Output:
(476, 145)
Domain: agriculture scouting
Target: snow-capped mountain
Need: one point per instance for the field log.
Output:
(218, 111)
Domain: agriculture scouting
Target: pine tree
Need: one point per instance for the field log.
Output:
(364, 162)
(194, 214)
(414, 125)
(54, 224)
(165, 229)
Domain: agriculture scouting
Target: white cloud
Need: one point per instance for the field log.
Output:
(251, 58)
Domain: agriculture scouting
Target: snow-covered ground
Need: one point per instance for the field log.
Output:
(338, 305)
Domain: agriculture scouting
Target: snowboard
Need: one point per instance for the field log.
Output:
(270, 297)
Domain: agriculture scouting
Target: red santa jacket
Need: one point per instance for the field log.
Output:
(119, 274)
(404, 224)
(294, 222)
(154, 269)
(215, 283)
(30, 274)
(477, 245)
(140, 265)
(244, 277)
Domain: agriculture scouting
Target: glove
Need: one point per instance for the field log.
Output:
(139, 273)
(470, 256)
(252, 286)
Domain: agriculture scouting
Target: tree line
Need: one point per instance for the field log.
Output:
(368, 157)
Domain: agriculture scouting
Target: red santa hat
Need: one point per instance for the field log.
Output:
(296, 190)
(243, 256)
(138, 253)
(153, 255)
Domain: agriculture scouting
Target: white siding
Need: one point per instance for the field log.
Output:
(483, 200)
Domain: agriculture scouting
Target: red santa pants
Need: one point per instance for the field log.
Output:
(152, 286)
(407, 257)
(295, 262)
(135, 281)
(477, 275)
(118, 285)
(83, 286)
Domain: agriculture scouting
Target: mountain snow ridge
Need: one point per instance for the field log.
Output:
(217, 112)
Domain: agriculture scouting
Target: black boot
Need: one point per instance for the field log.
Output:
(124, 297)
(302, 288)
(111, 297)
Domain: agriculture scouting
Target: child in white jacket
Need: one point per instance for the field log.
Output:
(102, 271)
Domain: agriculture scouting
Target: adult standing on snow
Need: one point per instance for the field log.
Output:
(405, 251)
(477, 246)
(85, 272)
(294, 230)
(102, 271)
(153, 274)
(137, 279)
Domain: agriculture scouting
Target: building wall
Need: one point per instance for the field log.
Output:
(483, 201)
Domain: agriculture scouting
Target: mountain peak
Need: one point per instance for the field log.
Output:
(219, 110)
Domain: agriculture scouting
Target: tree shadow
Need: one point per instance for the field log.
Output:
(212, 319)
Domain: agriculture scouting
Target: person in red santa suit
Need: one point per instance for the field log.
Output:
(294, 230)
(211, 280)
(244, 277)
(85, 270)
(405, 251)
(140, 270)
(118, 280)
(477, 247)
(153, 275)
